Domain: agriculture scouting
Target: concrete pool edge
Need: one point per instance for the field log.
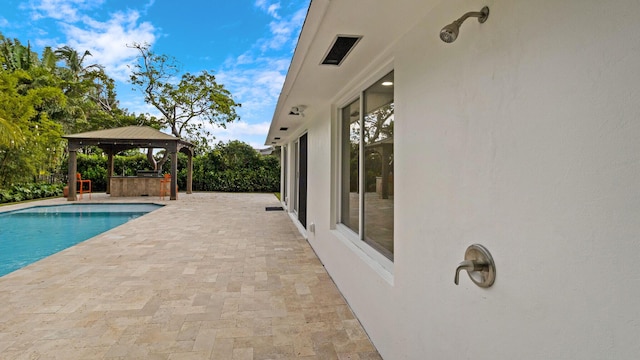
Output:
(31, 234)
(83, 207)
(98, 198)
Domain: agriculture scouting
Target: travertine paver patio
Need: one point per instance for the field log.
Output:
(210, 276)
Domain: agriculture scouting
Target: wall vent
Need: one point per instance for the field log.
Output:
(341, 47)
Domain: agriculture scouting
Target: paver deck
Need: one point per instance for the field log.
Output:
(209, 276)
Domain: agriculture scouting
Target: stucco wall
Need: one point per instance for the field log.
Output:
(524, 136)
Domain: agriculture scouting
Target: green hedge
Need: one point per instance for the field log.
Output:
(243, 180)
(94, 168)
(231, 167)
(22, 192)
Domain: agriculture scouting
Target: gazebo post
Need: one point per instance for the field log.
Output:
(174, 174)
(109, 170)
(73, 169)
(189, 172)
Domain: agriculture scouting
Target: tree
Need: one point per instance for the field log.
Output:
(91, 98)
(49, 59)
(10, 135)
(238, 155)
(236, 166)
(75, 67)
(186, 106)
(15, 56)
(42, 98)
(81, 84)
(37, 138)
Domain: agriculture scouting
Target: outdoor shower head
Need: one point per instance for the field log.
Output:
(450, 32)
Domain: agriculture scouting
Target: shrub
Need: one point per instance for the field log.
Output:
(21, 192)
(230, 167)
(94, 168)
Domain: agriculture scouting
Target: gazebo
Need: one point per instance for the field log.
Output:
(113, 141)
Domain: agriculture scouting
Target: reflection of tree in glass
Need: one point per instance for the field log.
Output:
(378, 127)
(354, 152)
(353, 166)
(354, 127)
(379, 124)
(373, 163)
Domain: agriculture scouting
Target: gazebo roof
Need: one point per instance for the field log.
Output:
(124, 133)
(128, 137)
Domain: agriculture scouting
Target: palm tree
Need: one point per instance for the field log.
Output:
(49, 59)
(9, 134)
(15, 56)
(74, 62)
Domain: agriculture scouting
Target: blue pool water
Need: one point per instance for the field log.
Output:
(31, 234)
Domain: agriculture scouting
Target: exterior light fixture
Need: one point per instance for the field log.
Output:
(450, 32)
(297, 110)
(387, 83)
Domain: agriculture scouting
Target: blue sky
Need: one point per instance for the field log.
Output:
(247, 44)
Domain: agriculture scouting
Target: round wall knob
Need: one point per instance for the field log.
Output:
(479, 264)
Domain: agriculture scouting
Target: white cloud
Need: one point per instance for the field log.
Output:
(284, 32)
(252, 134)
(66, 10)
(148, 5)
(107, 41)
(256, 88)
(4, 22)
(270, 8)
(255, 78)
(134, 103)
(237, 128)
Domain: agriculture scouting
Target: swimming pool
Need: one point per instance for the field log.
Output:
(31, 234)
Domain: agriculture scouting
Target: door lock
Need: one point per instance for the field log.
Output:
(479, 264)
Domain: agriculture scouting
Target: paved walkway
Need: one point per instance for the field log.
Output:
(210, 276)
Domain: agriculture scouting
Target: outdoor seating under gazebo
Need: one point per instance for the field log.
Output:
(113, 141)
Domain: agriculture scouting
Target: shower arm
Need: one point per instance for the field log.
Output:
(450, 32)
(481, 15)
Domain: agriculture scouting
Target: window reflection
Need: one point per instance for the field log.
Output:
(372, 134)
(285, 194)
(350, 165)
(378, 165)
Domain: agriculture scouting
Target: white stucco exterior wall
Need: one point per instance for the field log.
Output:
(523, 136)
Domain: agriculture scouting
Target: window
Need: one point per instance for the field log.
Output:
(350, 214)
(366, 201)
(296, 180)
(285, 169)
